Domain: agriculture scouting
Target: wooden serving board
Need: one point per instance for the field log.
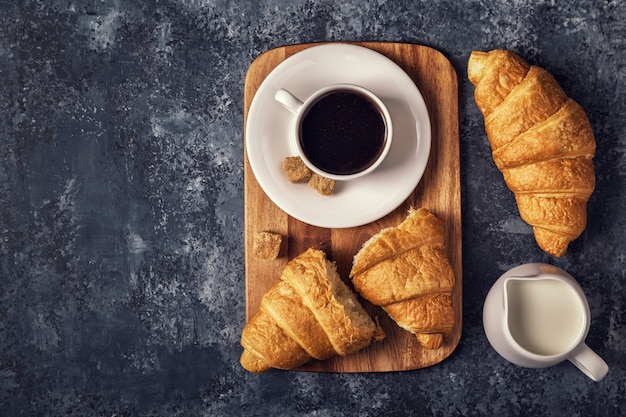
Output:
(439, 191)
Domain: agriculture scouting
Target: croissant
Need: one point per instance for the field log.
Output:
(541, 141)
(308, 313)
(405, 270)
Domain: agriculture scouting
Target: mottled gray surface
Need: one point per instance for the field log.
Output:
(121, 207)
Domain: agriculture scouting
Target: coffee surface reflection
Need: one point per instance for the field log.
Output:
(343, 132)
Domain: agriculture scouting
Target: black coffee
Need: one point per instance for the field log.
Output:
(343, 132)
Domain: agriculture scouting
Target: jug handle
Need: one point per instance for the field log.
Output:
(589, 362)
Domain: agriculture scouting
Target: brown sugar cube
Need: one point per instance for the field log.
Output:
(295, 169)
(267, 244)
(323, 185)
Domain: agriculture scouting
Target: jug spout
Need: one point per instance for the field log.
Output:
(512, 286)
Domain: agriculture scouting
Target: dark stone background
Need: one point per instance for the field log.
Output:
(121, 207)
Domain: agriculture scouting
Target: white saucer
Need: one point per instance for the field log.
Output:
(356, 202)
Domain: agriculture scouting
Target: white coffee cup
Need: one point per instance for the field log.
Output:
(536, 315)
(344, 144)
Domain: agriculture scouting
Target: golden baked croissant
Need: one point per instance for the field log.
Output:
(541, 141)
(405, 270)
(308, 313)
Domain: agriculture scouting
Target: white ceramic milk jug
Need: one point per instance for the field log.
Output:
(536, 315)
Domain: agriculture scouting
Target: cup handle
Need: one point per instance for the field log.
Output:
(589, 362)
(288, 100)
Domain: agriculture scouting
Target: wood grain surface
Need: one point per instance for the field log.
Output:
(439, 191)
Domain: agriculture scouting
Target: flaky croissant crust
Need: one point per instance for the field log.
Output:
(541, 141)
(405, 270)
(308, 313)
